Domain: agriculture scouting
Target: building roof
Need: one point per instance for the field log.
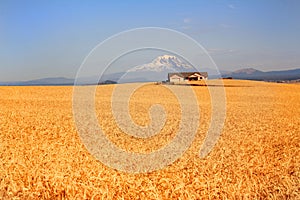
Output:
(187, 74)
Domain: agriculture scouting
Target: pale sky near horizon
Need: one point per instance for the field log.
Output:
(51, 38)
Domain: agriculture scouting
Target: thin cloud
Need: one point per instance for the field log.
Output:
(220, 51)
(187, 20)
(231, 6)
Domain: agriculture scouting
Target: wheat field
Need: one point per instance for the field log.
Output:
(256, 157)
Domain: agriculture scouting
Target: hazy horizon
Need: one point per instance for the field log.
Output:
(52, 38)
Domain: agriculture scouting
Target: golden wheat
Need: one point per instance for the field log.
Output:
(257, 156)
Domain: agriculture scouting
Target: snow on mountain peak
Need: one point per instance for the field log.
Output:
(161, 63)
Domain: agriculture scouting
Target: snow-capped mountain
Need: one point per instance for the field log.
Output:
(163, 63)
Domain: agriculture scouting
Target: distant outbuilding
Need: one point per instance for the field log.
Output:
(187, 76)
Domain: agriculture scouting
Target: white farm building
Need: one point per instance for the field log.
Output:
(187, 76)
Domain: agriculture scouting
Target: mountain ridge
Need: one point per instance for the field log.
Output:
(254, 74)
(41, 81)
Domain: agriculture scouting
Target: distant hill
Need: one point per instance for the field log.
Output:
(254, 74)
(107, 82)
(43, 81)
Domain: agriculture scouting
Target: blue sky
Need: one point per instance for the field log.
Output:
(51, 38)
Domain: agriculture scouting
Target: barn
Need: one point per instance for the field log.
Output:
(187, 76)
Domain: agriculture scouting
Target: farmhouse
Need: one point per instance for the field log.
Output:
(187, 76)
